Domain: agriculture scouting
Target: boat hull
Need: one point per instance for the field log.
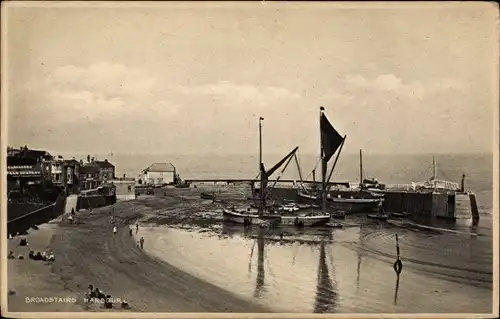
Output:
(248, 219)
(382, 217)
(345, 205)
(349, 205)
(245, 218)
(307, 221)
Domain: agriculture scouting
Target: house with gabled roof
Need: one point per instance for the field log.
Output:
(106, 170)
(159, 174)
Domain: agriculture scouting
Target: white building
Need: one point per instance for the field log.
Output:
(159, 174)
(56, 170)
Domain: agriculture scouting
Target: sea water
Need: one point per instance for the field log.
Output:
(342, 270)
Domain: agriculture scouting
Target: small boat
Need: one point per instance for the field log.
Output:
(247, 218)
(307, 198)
(337, 215)
(378, 216)
(353, 205)
(289, 208)
(402, 214)
(239, 218)
(334, 225)
(205, 195)
(374, 201)
(305, 220)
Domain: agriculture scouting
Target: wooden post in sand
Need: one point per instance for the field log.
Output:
(398, 265)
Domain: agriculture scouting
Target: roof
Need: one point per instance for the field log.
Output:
(160, 167)
(26, 152)
(104, 164)
(72, 161)
(89, 168)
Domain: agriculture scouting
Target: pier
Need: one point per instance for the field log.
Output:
(240, 180)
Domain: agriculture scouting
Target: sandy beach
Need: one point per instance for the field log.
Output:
(89, 253)
(189, 255)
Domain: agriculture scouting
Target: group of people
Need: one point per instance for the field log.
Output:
(95, 293)
(11, 256)
(42, 256)
(38, 256)
(140, 242)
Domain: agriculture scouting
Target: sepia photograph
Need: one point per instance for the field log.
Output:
(249, 159)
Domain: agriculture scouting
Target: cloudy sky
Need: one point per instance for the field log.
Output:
(194, 78)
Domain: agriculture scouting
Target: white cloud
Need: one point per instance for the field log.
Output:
(243, 93)
(396, 87)
(101, 90)
(387, 83)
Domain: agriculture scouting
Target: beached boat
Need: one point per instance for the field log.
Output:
(341, 205)
(204, 195)
(401, 215)
(334, 225)
(305, 220)
(331, 142)
(378, 216)
(337, 215)
(307, 198)
(355, 205)
(265, 212)
(238, 218)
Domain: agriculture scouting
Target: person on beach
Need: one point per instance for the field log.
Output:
(136, 228)
(70, 219)
(11, 255)
(141, 242)
(115, 230)
(23, 242)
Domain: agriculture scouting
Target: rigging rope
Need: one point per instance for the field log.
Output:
(314, 169)
(268, 193)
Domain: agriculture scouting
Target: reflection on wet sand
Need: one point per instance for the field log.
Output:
(259, 284)
(326, 293)
(396, 290)
(318, 266)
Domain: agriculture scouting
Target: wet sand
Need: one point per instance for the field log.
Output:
(446, 269)
(89, 253)
(347, 271)
(208, 267)
(30, 279)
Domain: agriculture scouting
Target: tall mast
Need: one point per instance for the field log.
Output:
(323, 166)
(262, 190)
(433, 168)
(260, 142)
(361, 168)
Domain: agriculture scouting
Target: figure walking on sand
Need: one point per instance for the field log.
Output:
(141, 242)
(114, 230)
(136, 228)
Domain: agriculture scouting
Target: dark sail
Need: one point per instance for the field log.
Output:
(331, 139)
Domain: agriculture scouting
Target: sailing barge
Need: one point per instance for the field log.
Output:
(266, 213)
(336, 201)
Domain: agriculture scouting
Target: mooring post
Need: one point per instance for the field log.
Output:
(398, 265)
